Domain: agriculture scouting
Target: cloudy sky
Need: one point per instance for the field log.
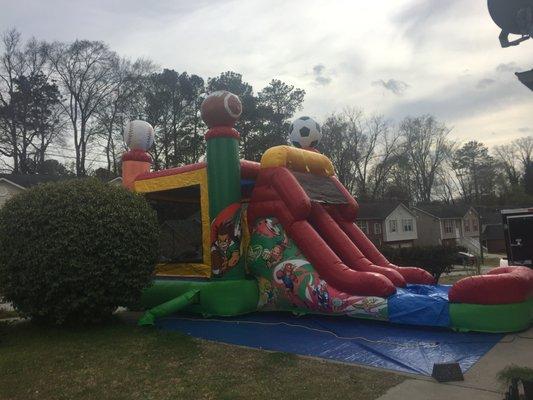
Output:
(396, 57)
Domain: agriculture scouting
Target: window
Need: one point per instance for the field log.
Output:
(449, 226)
(407, 225)
(363, 225)
(467, 225)
(474, 226)
(393, 225)
(377, 228)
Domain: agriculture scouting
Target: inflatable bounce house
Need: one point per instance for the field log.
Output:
(240, 236)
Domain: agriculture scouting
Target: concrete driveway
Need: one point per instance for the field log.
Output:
(480, 381)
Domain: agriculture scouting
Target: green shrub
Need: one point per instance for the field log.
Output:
(71, 252)
(511, 372)
(434, 259)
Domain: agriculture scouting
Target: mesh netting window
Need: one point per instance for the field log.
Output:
(179, 216)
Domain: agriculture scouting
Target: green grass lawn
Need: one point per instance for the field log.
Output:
(491, 261)
(451, 279)
(446, 279)
(119, 361)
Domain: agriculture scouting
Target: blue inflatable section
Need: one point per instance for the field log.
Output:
(377, 344)
(425, 305)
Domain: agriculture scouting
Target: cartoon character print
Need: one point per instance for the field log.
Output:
(255, 252)
(268, 227)
(288, 276)
(225, 252)
(322, 295)
(275, 255)
(291, 282)
(370, 305)
(266, 292)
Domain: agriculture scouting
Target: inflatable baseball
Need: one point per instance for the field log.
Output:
(138, 135)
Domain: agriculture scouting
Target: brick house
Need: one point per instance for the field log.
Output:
(388, 223)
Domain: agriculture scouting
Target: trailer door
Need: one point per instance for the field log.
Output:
(520, 231)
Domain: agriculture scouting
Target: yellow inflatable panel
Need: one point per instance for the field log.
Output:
(168, 182)
(298, 160)
(183, 270)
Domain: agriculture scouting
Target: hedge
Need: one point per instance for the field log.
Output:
(74, 251)
(434, 259)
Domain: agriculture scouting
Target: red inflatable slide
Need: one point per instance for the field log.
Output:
(319, 214)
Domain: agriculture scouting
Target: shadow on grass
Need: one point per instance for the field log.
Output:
(120, 361)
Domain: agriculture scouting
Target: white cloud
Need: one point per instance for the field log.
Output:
(485, 83)
(321, 77)
(395, 86)
(507, 67)
(428, 44)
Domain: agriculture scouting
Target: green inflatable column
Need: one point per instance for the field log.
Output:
(220, 110)
(223, 173)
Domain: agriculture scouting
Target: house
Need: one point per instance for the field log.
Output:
(11, 184)
(493, 239)
(448, 225)
(388, 223)
(492, 235)
(116, 181)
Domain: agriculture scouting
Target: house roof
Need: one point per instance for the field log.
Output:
(490, 215)
(445, 211)
(27, 181)
(493, 232)
(377, 210)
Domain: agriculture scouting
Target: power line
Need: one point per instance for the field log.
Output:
(74, 157)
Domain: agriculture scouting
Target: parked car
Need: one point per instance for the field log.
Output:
(466, 259)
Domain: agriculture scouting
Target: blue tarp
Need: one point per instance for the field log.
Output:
(425, 305)
(378, 344)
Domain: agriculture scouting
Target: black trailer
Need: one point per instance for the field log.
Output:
(518, 232)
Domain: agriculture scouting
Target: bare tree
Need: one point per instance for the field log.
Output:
(363, 151)
(509, 160)
(29, 113)
(119, 106)
(387, 152)
(446, 185)
(426, 148)
(87, 73)
(339, 143)
(524, 150)
(11, 67)
(475, 171)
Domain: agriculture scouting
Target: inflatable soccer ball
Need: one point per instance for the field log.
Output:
(138, 135)
(305, 132)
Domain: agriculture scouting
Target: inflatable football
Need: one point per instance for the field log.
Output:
(305, 132)
(221, 108)
(138, 135)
